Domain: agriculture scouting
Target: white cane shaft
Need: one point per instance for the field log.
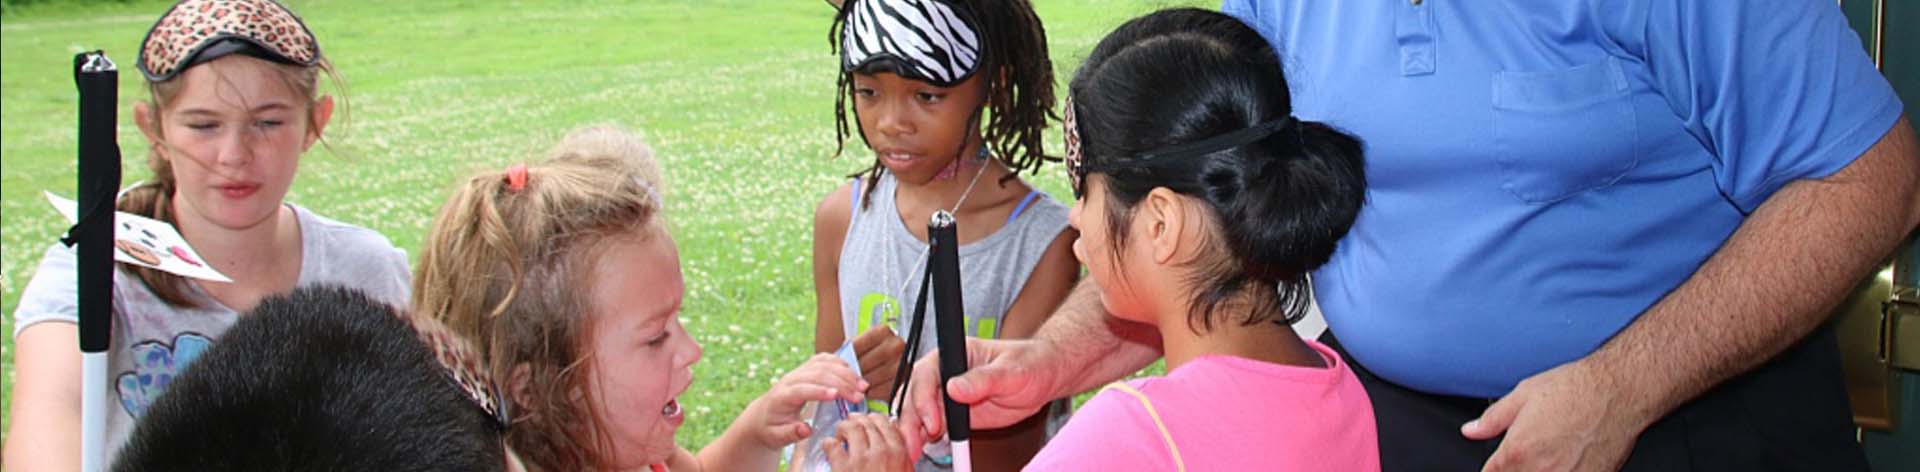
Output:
(93, 412)
(962, 456)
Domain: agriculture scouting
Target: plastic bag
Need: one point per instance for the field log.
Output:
(824, 417)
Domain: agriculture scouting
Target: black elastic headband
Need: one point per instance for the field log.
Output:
(1219, 143)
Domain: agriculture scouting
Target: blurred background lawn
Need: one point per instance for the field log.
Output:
(735, 96)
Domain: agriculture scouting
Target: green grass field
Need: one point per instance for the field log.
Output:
(735, 97)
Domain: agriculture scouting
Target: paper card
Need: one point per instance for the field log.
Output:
(147, 242)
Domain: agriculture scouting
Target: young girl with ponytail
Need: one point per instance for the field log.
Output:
(564, 275)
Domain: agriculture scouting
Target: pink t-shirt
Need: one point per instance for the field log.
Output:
(1224, 413)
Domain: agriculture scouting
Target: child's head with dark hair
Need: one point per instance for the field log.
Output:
(924, 75)
(1181, 122)
(319, 379)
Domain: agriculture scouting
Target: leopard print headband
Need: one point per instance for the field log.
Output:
(465, 368)
(196, 31)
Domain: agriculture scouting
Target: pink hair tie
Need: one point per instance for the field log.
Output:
(517, 177)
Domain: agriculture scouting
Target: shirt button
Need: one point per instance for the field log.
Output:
(1416, 2)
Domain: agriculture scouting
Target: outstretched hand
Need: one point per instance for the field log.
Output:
(822, 377)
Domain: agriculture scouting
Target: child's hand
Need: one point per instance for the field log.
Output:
(867, 442)
(879, 351)
(822, 377)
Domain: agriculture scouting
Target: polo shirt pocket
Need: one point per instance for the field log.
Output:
(1561, 132)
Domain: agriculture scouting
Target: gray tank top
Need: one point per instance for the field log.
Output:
(881, 265)
(881, 268)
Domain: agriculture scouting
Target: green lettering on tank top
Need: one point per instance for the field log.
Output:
(879, 306)
(986, 328)
(869, 311)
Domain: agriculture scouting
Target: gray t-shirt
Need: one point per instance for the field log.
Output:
(881, 268)
(153, 341)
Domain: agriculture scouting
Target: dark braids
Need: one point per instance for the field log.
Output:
(1019, 103)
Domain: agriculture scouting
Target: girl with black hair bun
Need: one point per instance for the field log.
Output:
(952, 97)
(1203, 204)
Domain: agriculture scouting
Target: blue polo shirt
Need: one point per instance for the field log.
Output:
(1544, 171)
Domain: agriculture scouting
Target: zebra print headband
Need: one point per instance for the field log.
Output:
(932, 41)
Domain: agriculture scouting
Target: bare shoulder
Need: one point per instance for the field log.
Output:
(991, 205)
(830, 217)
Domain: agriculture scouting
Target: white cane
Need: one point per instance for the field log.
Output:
(97, 79)
(944, 264)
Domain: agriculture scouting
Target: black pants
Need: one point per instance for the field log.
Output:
(1790, 413)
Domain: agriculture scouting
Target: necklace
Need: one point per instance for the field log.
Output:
(886, 254)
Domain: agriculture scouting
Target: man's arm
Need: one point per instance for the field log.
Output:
(1773, 282)
(1100, 348)
(1010, 448)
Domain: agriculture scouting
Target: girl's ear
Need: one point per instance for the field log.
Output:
(517, 388)
(1178, 226)
(146, 116)
(1160, 215)
(317, 121)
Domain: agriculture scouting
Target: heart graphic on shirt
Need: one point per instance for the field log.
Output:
(155, 364)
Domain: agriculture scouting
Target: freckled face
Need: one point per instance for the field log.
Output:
(234, 135)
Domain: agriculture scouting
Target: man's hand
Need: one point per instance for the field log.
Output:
(879, 351)
(1078, 348)
(1570, 418)
(1009, 381)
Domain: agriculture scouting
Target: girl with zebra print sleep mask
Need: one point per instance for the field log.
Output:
(953, 98)
(932, 41)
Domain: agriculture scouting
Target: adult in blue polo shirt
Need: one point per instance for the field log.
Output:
(1597, 211)
(1599, 233)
